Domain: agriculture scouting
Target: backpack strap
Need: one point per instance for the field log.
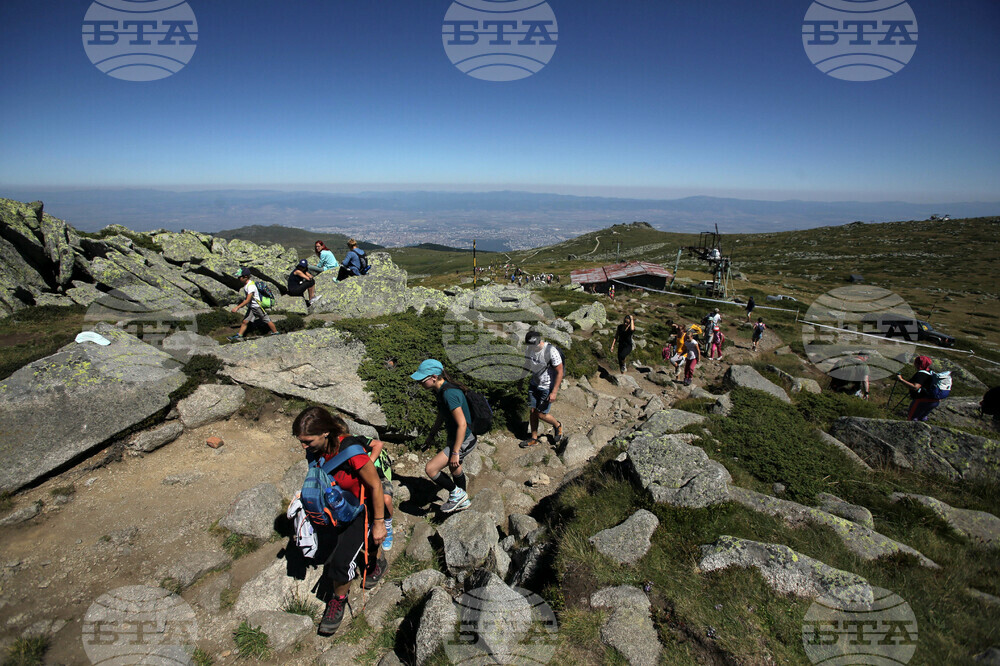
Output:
(342, 457)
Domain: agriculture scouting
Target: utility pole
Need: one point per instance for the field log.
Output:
(474, 272)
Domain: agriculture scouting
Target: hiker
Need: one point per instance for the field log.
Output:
(758, 333)
(375, 449)
(623, 336)
(251, 301)
(711, 321)
(545, 364)
(715, 346)
(852, 376)
(453, 412)
(327, 261)
(354, 263)
(611, 292)
(350, 544)
(692, 356)
(922, 389)
(750, 306)
(301, 281)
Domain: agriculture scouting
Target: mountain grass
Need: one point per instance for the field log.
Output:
(37, 332)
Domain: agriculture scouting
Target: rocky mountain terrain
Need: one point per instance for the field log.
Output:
(674, 524)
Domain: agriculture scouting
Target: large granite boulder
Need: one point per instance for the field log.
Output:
(210, 403)
(68, 404)
(677, 473)
(670, 421)
(977, 526)
(744, 376)
(468, 537)
(928, 449)
(629, 542)
(320, 365)
(628, 627)
(786, 571)
(382, 291)
(589, 316)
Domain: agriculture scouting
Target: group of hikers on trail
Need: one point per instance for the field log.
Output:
(343, 514)
(256, 295)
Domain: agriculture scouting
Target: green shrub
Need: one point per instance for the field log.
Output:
(291, 322)
(201, 658)
(200, 369)
(252, 642)
(29, 651)
(209, 322)
(238, 545)
(298, 605)
(581, 359)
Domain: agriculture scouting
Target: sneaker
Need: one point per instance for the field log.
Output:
(333, 616)
(315, 300)
(234, 338)
(375, 575)
(528, 443)
(463, 505)
(275, 332)
(387, 542)
(557, 434)
(624, 369)
(456, 497)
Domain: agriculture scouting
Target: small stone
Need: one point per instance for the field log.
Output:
(778, 488)
(539, 479)
(214, 442)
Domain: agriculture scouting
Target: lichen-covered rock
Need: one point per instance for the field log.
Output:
(437, 624)
(319, 365)
(978, 526)
(677, 473)
(210, 403)
(629, 542)
(97, 391)
(786, 571)
(860, 540)
(182, 248)
(800, 384)
(669, 421)
(628, 627)
(928, 449)
(853, 512)
(589, 316)
(744, 376)
(468, 538)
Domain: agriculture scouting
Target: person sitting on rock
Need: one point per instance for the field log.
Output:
(327, 261)
(252, 303)
(922, 385)
(352, 261)
(453, 412)
(353, 547)
(300, 281)
(545, 364)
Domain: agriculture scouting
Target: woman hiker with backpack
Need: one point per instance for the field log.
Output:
(355, 262)
(623, 336)
(925, 389)
(349, 542)
(453, 412)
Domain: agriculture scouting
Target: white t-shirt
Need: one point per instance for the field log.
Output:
(538, 364)
(250, 289)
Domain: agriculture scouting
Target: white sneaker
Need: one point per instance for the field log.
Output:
(455, 500)
(315, 300)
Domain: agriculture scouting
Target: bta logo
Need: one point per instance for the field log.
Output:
(859, 40)
(500, 40)
(140, 40)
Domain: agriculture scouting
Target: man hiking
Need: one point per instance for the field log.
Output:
(251, 302)
(545, 364)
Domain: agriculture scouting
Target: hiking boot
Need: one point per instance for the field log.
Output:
(387, 541)
(375, 575)
(235, 338)
(457, 497)
(528, 443)
(333, 616)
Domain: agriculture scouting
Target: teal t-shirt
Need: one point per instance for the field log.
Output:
(327, 260)
(448, 399)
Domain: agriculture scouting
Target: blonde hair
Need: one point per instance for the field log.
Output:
(352, 243)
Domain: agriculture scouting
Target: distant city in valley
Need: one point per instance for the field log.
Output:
(498, 221)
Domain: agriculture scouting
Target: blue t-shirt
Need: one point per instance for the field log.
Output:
(448, 399)
(327, 260)
(352, 261)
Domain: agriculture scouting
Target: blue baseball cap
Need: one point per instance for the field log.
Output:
(426, 369)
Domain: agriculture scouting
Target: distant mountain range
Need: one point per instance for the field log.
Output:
(376, 215)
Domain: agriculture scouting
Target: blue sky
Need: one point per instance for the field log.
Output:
(641, 98)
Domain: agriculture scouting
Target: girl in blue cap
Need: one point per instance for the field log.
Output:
(453, 412)
(300, 281)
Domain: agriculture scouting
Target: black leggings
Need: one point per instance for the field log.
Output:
(302, 288)
(346, 560)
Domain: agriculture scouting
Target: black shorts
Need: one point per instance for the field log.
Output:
(344, 546)
(302, 288)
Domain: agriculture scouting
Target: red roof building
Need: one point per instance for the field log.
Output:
(635, 273)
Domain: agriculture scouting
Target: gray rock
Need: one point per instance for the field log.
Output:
(182, 345)
(845, 449)
(419, 546)
(924, 448)
(800, 384)
(489, 502)
(654, 406)
(291, 482)
(578, 450)
(623, 596)
(22, 515)
(576, 397)
(589, 316)
(677, 473)
(670, 421)
(630, 541)
(381, 603)
(499, 618)
(527, 564)
(744, 376)
(273, 588)
(182, 478)
(518, 502)
(253, 511)
(786, 571)
(983, 597)
(661, 378)
(416, 586)
(498, 561)
(319, 365)
(283, 629)
(152, 439)
(723, 405)
(601, 434)
(390, 659)
(989, 657)
(853, 512)
(860, 540)
(978, 526)
(629, 628)
(437, 624)
(97, 391)
(210, 403)
(624, 381)
(468, 538)
(208, 595)
(193, 566)
(521, 525)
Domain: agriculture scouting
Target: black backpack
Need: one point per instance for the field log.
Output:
(363, 264)
(479, 409)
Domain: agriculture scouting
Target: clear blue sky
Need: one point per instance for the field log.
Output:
(642, 97)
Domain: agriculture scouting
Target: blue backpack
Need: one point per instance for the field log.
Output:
(941, 388)
(324, 502)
